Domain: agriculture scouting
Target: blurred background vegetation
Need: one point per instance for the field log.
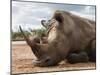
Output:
(17, 36)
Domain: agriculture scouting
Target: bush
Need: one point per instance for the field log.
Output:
(17, 36)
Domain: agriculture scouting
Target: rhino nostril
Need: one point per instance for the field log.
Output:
(47, 60)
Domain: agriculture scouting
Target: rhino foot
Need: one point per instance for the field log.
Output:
(78, 58)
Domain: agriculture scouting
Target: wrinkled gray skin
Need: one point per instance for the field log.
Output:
(68, 36)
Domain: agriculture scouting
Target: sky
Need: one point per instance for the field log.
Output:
(30, 14)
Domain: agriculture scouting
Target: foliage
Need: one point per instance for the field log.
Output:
(17, 36)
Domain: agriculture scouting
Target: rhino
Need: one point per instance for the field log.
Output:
(69, 37)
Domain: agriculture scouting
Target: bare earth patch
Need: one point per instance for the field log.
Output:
(22, 58)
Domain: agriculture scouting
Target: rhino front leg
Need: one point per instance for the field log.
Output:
(77, 57)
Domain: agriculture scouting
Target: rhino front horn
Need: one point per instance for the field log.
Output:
(26, 37)
(34, 44)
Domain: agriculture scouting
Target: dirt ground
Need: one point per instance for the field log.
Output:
(22, 58)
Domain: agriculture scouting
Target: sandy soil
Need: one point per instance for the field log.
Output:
(22, 58)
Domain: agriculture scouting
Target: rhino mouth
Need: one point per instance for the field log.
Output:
(44, 62)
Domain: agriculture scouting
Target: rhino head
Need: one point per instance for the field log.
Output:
(55, 50)
(46, 56)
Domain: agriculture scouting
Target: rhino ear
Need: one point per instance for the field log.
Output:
(59, 17)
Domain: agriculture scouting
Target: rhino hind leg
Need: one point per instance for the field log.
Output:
(92, 51)
(77, 57)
